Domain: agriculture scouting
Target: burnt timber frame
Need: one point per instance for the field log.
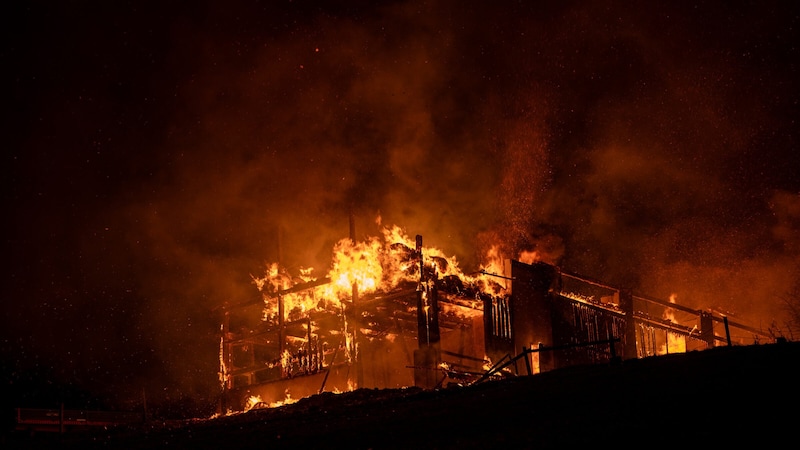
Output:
(536, 314)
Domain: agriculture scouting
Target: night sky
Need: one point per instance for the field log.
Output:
(158, 155)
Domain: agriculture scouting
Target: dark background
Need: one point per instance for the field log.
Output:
(157, 151)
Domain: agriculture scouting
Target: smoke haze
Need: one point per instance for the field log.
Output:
(160, 156)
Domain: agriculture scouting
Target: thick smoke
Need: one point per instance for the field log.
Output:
(643, 145)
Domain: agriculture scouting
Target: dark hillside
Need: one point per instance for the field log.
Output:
(745, 395)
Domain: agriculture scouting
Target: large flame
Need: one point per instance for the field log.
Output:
(376, 264)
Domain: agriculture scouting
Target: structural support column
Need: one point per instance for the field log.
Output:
(629, 344)
(427, 356)
(707, 328)
(357, 360)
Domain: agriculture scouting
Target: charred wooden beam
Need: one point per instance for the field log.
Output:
(588, 280)
(742, 326)
(668, 304)
(597, 306)
(301, 287)
(502, 364)
(626, 303)
(667, 325)
(296, 288)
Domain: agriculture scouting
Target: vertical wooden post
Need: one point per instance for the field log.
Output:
(629, 346)
(225, 363)
(528, 360)
(666, 341)
(281, 334)
(356, 316)
(427, 356)
(707, 328)
(612, 349)
(281, 313)
(727, 330)
(309, 367)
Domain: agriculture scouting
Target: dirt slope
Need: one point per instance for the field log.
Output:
(724, 396)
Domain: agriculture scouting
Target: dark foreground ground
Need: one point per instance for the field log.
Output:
(734, 397)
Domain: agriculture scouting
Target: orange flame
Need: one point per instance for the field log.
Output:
(252, 402)
(286, 401)
(377, 264)
(675, 343)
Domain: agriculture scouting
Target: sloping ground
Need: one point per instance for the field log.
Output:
(742, 396)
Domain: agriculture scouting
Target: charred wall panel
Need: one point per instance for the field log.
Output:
(576, 323)
(531, 308)
(498, 336)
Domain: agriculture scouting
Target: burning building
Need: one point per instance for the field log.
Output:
(391, 313)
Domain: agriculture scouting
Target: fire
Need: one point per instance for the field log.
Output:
(529, 257)
(286, 401)
(385, 264)
(355, 263)
(224, 377)
(669, 313)
(675, 343)
(381, 293)
(252, 402)
(286, 362)
(277, 279)
(255, 402)
(376, 264)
